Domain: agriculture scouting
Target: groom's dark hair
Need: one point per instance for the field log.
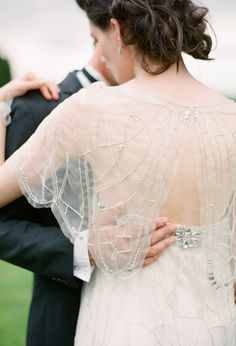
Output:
(98, 11)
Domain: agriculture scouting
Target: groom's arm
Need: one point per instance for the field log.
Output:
(28, 237)
(43, 250)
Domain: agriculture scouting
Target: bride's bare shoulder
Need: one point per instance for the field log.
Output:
(212, 96)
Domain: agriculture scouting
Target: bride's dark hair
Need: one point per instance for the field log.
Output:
(98, 11)
(160, 29)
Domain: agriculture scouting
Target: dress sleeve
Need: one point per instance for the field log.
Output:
(51, 168)
(70, 166)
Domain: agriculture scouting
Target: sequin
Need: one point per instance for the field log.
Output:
(134, 116)
(120, 147)
(101, 206)
(190, 114)
(140, 180)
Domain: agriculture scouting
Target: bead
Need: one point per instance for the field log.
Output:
(114, 256)
(101, 206)
(211, 275)
(141, 224)
(187, 114)
(190, 114)
(140, 180)
(120, 147)
(120, 221)
(134, 116)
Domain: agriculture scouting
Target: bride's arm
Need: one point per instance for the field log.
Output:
(19, 87)
(4, 112)
(9, 187)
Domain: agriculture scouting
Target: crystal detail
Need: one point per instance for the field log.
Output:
(114, 256)
(121, 220)
(134, 116)
(140, 180)
(124, 236)
(120, 147)
(187, 237)
(190, 114)
(101, 206)
(211, 275)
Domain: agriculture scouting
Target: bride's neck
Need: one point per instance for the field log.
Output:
(177, 85)
(169, 82)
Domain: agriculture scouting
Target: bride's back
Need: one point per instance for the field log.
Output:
(153, 157)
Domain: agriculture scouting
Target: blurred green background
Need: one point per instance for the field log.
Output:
(5, 73)
(15, 283)
(15, 291)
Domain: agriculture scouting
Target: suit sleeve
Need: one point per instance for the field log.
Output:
(43, 250)
(29, 238)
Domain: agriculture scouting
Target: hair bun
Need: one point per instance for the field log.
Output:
(163, 29)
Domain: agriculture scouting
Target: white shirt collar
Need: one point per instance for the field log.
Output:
(93, 72)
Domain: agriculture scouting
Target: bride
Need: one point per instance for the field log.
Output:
(161, 143)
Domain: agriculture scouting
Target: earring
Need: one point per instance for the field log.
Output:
(120, 49)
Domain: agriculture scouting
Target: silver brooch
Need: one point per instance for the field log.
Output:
(187, 237)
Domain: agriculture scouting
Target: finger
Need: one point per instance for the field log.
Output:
(160, 221)
(30, 85)
(91, 260)
(50, 90)
(160, 246)
(45, 92)
(53, 89)
(29, 76)
(162, 233)
(150, 260)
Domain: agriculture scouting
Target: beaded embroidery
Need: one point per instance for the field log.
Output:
(120, 156)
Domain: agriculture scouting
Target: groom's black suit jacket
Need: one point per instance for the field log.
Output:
(30, 238)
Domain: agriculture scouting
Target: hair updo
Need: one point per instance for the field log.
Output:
(98, 11)
(160, 29)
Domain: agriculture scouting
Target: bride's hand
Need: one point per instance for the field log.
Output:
(27, 82)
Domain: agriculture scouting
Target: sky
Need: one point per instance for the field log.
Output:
(52, 38)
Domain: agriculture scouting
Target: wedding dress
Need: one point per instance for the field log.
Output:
(110, 159)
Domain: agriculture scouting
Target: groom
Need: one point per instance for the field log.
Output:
(31, 238)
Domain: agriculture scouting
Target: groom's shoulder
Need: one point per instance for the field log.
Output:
(35, 106)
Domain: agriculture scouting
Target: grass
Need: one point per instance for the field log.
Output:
(15, 293)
